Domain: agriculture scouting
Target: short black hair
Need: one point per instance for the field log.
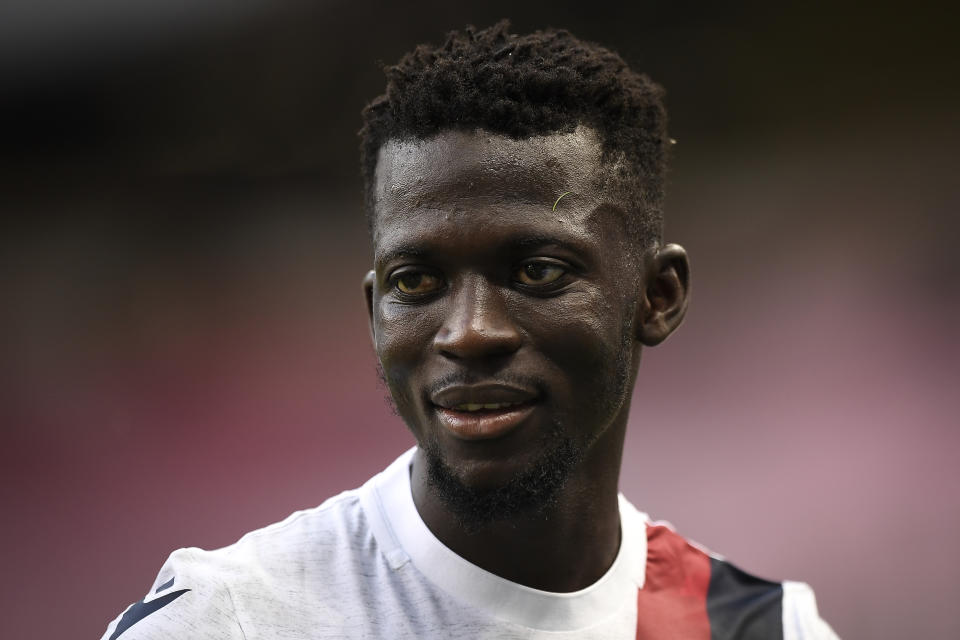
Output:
(526, 85)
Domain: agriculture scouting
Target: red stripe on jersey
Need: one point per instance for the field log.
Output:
(673, 601)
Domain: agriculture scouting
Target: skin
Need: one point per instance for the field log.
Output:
(476, 281)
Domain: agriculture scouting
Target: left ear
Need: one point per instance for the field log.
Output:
(665, 295)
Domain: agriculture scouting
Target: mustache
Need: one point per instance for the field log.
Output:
(467, 378)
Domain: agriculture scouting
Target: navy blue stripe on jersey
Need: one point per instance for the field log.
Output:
(165, 585)
(141, 610)
(741, 606)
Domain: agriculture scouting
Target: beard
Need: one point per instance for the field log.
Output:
(531, 492)
(537, 487)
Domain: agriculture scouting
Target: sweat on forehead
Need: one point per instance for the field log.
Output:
(454, 167)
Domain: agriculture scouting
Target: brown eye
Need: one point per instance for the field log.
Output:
(535, 274)
(417, 283)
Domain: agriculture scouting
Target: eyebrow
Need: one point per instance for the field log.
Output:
(402, 251)
(528, 242)
(514, 245)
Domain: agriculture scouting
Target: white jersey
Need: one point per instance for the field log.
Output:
(364, 565)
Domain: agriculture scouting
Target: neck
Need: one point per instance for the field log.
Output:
(564, 548)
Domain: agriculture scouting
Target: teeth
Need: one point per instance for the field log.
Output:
(472, 406)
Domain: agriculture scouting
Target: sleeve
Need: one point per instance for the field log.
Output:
(187, 600)
(801, 621)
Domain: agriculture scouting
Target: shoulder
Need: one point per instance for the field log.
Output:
(200, 593)
(312, 535)
(686, 584)
(187, 599)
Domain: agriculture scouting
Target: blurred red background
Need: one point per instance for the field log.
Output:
(185, 349)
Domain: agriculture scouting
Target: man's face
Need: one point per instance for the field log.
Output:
(504, 324)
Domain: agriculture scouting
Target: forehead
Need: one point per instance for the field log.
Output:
(455, 171)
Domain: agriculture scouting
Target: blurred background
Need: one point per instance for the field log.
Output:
(185, 353)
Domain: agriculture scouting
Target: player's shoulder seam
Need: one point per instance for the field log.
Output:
(233, 608)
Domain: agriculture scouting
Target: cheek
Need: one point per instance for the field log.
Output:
(401, 330)
(583, 336)
(401, 336)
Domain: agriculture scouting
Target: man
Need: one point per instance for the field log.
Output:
(514, 188)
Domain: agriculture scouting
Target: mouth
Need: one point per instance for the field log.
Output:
(471, 407)
(484, 423)
(483, 412)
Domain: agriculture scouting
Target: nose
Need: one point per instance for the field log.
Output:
(477, 323)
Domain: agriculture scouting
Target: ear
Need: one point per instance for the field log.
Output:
(665, 296)
(368, 281)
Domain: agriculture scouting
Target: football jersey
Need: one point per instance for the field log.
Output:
(364, 565)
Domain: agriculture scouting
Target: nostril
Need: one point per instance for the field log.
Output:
(478, 342)
(478, 338)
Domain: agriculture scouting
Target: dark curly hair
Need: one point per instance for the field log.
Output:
(525, 85)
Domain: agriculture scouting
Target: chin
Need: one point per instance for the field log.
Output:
(482, 491)
(481, 475)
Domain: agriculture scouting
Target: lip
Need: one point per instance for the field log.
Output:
(483, 393)
(485, 424)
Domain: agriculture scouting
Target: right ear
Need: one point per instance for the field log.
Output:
(368, 281)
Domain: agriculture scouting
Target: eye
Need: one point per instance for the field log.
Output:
(416, 283)
(540, 273)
